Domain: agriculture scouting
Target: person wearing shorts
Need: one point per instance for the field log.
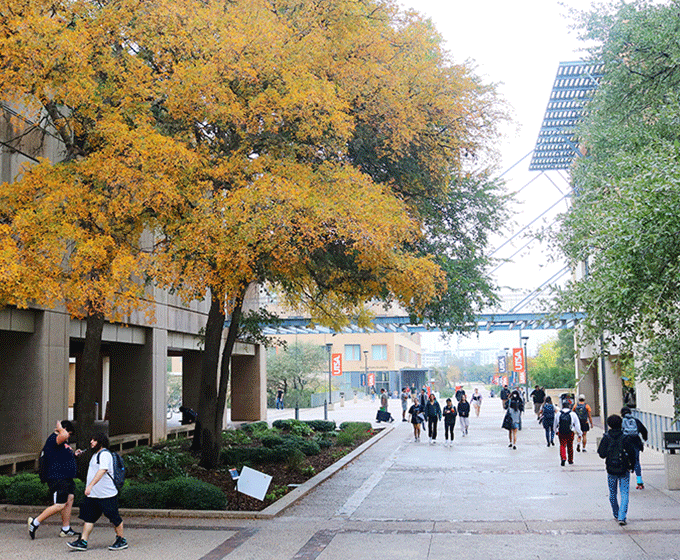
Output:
(60, 471)
(101, 496)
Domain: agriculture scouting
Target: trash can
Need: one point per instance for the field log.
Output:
(342, 399)
(671, 459)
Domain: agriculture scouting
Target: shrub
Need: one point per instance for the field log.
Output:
(295, 460)
(272, 440)
(5, 481)
(235, 437)
(151, 495)
(309, 447)
(237, 456)
(26, 489)
(79, 493)
(254, 427)
(321, 425)
(191, 493)
(366, 426)
(151, 465)
(296, 427)
(323, 441)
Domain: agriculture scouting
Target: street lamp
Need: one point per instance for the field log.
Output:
(526, 364)
(366, 367)
(329, 349)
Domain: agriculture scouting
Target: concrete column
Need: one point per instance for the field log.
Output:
(34, 381)
(191, 378)
(138, 386)
(613, 387)
(589, 384)
(249, 386)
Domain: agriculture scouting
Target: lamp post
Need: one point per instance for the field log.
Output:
(526, 365)
(329, 349)
(366, 368)
(509, 373)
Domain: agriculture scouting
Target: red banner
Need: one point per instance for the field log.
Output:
(336, 364)
(517, 360)
(371, 379)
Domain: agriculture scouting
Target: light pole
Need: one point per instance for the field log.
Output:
(526, 365)
(366, 368)
(329, 349)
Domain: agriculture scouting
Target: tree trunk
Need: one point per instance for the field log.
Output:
(205, 434)
(86, 379)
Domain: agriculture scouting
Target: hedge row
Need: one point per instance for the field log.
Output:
(178, 493)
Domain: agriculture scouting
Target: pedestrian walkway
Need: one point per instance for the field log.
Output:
(405, 500)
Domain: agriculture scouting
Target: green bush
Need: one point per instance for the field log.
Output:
(5, 481)
(272, 440)
(26, 489)
(237, 456)
(323, 441)
(191, 493)
(321, 425)
(293, 426)
(254, 427)
(150, 495)
(235, 438)
(365, 426)
(151, 465)
(309, 447)
(79, 494)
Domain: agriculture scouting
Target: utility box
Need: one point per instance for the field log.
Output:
(671, 456)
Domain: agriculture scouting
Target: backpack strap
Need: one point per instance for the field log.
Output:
(107, 470)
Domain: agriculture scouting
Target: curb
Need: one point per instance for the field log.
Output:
(268, 513)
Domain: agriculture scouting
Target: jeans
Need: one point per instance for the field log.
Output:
(638, 468)
(623, 484)
(549, 433)
(448, 429)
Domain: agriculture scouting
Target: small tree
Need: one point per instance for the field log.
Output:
(295, 369)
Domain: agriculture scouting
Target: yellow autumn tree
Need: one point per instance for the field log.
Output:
(72, 230)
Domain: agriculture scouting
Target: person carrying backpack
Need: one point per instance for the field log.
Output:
(566, 424)
(585, 418)
(58, 469)
(101, 495)
(619, 458)
(546, 417)
(633, 429)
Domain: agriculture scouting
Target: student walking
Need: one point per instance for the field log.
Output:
(464, 414)
(566, 424)
(619, 454)
(634, 429)
(585, 419)
(404, 403)
(476, 401)
(449, 414)
(433, 413)
(415, 413)
(60, 470)
(101, 496)
(515, 409)
(546, 417)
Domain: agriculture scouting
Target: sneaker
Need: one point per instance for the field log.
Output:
(509, 444)
(640, 486)
(514, 447)
(623, 522)
(571, 462)
(79, 544)
(562, 462)
(584, 449)
(69, 533)
(578, 447)
(119, 544)
(31, 528)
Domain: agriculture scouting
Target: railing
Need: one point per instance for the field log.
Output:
(656, 425)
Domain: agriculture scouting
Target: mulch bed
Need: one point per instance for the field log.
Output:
(281, 475)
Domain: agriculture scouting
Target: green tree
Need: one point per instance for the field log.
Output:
(554, 365)
(296, 370)
(625, 219)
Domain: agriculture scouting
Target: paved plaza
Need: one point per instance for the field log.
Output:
(405, 500)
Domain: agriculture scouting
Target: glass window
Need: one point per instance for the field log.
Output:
(352, 352)
(379, 352)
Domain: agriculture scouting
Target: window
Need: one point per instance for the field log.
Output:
(352, 352)
(379, 352)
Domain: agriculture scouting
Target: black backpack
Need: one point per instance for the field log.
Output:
(118, 475)
(581, 412)
(564, 426)
(616, 460)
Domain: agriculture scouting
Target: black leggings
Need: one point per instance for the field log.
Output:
(448, 429)
(432, 427)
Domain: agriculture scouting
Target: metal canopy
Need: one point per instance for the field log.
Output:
(557, 145)
(488, 322)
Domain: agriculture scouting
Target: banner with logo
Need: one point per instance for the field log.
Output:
(336, 364)
(518, 364)
(501, 365)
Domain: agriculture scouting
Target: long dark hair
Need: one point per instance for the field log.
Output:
(102, 441)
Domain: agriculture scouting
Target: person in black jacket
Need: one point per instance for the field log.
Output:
(464, 415)
(433, 413)
(619, 455)
(449, 414)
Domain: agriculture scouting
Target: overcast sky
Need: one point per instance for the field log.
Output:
(518, 45)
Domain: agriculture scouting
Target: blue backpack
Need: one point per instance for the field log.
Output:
(118, 475)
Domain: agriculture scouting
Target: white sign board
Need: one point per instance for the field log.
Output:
(253, 483)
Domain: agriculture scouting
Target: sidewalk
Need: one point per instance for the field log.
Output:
(405, 500)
